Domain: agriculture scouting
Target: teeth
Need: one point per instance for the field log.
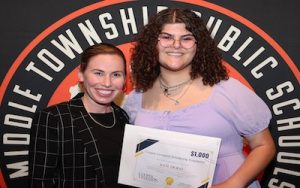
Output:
(174, 54)
(105, 92)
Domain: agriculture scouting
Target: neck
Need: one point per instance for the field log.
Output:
(93, 107)
(173, 78)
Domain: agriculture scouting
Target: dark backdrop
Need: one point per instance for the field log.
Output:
(22, 21)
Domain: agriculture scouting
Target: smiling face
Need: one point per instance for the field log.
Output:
(175, 57)
(103, 79)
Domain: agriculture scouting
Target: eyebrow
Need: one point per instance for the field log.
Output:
(189, 34)
(116, 71)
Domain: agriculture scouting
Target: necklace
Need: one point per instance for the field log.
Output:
(105, 126)
(176, 100)
(167, 90)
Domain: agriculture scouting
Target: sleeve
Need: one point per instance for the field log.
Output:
(43, 150)
(132, 104)
(246, 111)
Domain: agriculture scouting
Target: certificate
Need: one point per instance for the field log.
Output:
(153, 158)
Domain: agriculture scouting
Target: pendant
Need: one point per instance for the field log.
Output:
(166, 92)
(176, 102)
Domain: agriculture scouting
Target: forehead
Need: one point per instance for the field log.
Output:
(109, 62)
(175, 28)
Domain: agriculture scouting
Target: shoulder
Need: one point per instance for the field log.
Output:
(54, 109)
(240, 104)
(60, 108)
(233, 94)
(134, 95)
(234, 90)
(134, 98)
(132, 104)
(64, 107)
(232, 85)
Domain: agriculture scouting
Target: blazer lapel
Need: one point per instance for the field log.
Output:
(84, 132)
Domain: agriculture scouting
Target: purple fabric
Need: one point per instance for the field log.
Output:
(231, 111)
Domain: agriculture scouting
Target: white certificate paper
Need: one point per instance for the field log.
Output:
(153, 158)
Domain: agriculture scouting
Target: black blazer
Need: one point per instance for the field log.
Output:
(63, 151)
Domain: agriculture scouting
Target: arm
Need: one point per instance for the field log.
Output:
(44, 145)
(262, 152)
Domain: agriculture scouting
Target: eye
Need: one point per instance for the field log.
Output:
(99, 73)
(117, 74)
(188, 38)
(166, 37)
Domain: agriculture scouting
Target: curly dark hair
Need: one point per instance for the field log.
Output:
(206, 62)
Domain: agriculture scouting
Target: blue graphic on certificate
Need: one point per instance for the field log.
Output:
(154, 158)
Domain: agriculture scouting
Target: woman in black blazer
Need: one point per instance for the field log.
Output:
(78, 143)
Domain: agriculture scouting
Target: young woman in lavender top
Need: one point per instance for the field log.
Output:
(181, 85)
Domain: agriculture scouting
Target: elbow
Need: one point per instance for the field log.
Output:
(270, 150)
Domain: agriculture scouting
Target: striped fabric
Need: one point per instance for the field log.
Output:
(63, 150)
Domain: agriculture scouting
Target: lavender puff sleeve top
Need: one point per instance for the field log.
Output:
(231, 111)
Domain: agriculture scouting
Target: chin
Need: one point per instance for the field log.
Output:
(102, 102)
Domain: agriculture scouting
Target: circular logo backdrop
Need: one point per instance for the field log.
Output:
(45, 73)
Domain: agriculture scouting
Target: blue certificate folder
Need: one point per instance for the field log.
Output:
(144, 144)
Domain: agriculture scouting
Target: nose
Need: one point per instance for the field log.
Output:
(107, 81)
(176, 43)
